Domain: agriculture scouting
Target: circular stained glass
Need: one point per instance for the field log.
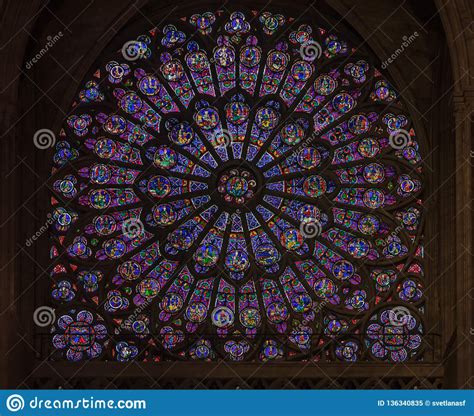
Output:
(236, 196)
(250, 317)
(314, 186)
(164, 214)
(237, 112)
(301, 302)
(130, 270)
(325, 84)
(165, 157)
(237, 260)
(207, 255)
(309, 158)
(159, 186)
(343, 269)
(196, 312)
(105, 224)
(292, 134)
(222, 317)
(277, 313)
(237, 185)
(172, 303)
(266, 255)
(368, 224)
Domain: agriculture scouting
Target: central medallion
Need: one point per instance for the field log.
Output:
(237, 186)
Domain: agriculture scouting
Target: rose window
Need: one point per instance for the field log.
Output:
(238, 186)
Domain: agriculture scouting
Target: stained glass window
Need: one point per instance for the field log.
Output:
(238, 186)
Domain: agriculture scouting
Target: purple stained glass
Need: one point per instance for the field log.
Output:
(227, 189)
